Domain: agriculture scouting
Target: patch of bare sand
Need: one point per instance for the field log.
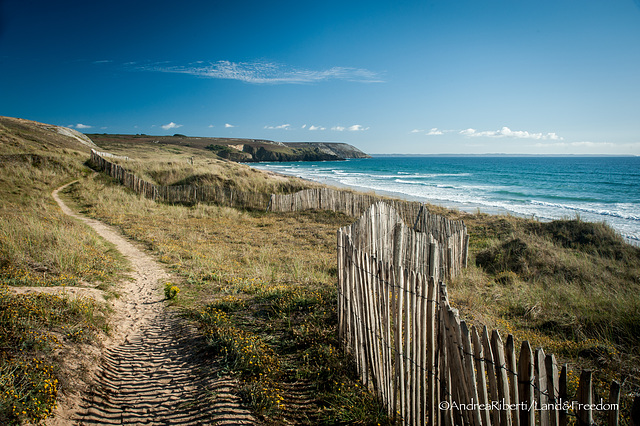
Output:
(154, 368)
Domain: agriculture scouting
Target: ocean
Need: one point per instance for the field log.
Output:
(595, 189)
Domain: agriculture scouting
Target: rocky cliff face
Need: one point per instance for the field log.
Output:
(341, 150)
(249, 150)
(287, 153)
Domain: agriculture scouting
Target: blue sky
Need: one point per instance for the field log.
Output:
(423, 77)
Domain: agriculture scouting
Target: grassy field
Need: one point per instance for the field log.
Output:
(261, 285)
(41, 248)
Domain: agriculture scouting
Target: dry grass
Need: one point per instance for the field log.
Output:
(262, 286)
(42, 247)
(568, 286)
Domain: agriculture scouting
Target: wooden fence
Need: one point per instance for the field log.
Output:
(350, 203)
(452, 237)
(186, 194)
(425, 364)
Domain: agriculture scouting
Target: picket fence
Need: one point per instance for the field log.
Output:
(451, 236)
(424, 363)
(186, 194)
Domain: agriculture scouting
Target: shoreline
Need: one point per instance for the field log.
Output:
(463, 207)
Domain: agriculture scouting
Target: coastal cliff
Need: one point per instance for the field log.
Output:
(247, 150)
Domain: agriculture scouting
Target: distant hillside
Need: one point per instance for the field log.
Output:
(19, 135)
(247, 150)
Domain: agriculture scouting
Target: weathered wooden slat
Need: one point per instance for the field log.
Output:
(613, 417)
(585, 399)
(562, 395)
(512, 373)
(491, 374)
(541, 386)
(501, 377)
(481, 376)
(553, 389)
(525, 385)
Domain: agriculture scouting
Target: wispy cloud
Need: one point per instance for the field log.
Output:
(582, 144)
(266, 72)
(433, 132)
(228, 126)
(357, 128)
(81, 126)
(506, 132)
(354, 128)
(280, 127)
(312, 127)
(171, 125)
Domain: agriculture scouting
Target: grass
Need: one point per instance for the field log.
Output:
(40, 247)
(262, 285)
(569, 286)
(262, 288)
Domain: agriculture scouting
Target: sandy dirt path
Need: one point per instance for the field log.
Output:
(153, 370)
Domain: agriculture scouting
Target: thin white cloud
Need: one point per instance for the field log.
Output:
(267, 72)
(83, 126)
(211, 126)
(416, 131)
(105, 61)
(171, 125)
(312, 127)
(582, 144)
(338, 128)
(357, 128)
(435, 132)
(228, 126)
(506, 132)
(304, 126)
(280, 127)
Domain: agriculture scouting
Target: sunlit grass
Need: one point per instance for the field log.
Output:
(41, 247)
(262, 287)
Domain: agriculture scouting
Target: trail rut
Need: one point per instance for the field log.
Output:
(153, 370)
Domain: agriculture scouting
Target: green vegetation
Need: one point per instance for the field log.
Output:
(569, 286)
(170, 291)
(261, 286)
(40, 248)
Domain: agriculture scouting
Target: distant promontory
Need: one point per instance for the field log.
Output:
(248, 150)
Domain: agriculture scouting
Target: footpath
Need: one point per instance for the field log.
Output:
(153, 368)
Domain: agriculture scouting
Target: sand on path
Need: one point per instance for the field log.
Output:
(152, 369)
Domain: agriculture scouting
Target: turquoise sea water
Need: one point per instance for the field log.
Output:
(594, 188)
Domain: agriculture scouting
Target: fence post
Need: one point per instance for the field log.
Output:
(501, 377)
(491, 373)
(553, 387)
(483, 398)
(512, 368)
(614, 400)
(562, 395)
(525, 385)
(585, 398)
(541, 387)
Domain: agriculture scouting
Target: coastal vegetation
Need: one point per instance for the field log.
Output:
(261, 286)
